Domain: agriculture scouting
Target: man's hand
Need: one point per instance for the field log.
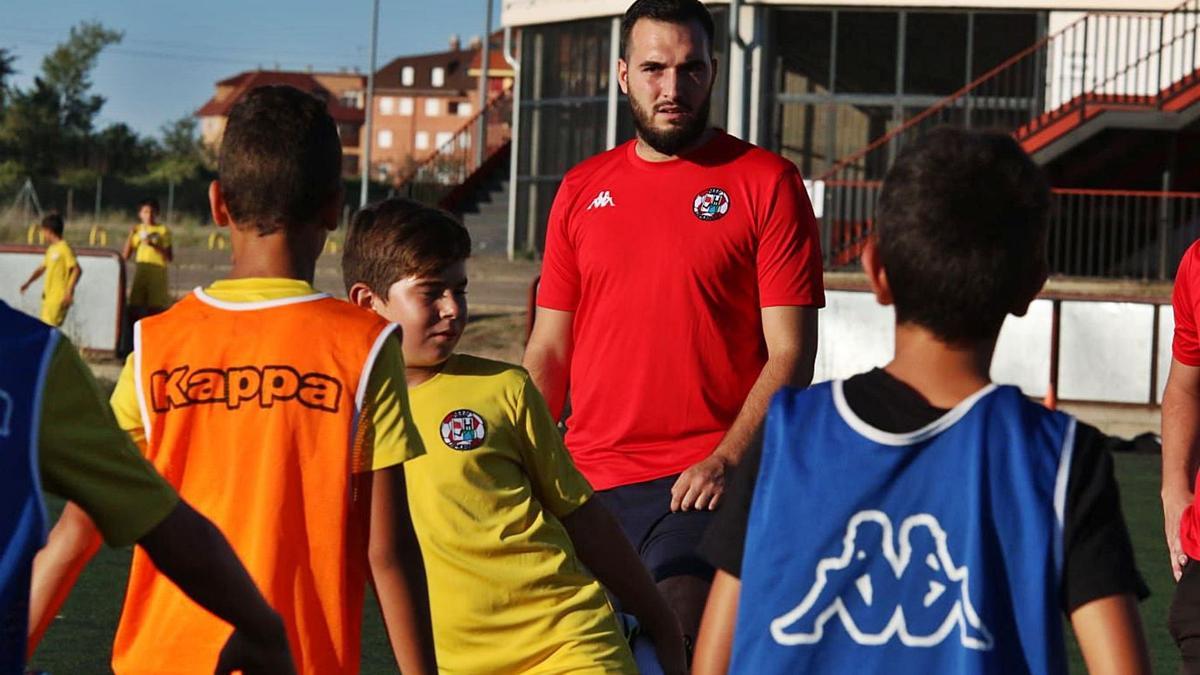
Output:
(68, 300)
(1173, 507)
(24, 286)
(701, 486)
(267, 654)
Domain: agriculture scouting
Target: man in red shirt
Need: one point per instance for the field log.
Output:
(680, 288)
(1180, 459)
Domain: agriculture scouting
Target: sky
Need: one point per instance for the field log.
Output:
(174, 51)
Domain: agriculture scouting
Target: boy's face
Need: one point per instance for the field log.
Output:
(431, 310)
(147, 214)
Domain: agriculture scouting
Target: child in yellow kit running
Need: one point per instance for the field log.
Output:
(62, 273)
(506, 523)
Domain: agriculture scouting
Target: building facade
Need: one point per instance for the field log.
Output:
(344, 93)
(838, 88)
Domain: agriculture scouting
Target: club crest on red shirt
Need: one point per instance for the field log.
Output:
(463, 430)
(711, 204)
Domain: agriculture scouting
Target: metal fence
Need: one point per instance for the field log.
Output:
(1126, 234)
(1103, 61)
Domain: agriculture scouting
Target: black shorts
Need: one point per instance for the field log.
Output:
(1183, 619)
(667, 542)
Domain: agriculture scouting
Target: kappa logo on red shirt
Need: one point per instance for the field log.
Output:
(711, 204)
(463, 430)
(602, 200)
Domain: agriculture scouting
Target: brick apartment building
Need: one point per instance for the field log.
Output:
(421, 101)
(343, 92)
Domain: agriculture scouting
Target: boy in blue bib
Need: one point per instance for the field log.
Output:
(918, 518)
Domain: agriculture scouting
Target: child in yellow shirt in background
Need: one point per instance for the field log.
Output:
(149, 244)
(62, 273)
(509, 531)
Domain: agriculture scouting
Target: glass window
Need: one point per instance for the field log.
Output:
(421, 141)
(406, 105)
(866, 52)
(433, 107)
(802, 55)
(935, 52)
(817, 135)
(385, 138)
(464, 109)
(443, 137)
(437, 77)
(998, 36)
(387, 105)
(407, 75)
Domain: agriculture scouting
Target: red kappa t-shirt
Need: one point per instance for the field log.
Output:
(1186, 349)
(666, 266)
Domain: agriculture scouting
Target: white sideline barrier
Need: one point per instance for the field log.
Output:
(1105, 354)
(1105, 351)
(93, 322)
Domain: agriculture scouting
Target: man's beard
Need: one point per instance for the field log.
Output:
(671, 140)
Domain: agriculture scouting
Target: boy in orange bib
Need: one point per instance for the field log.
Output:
(280, 414)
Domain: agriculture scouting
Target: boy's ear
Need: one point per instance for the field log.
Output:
(623, 75)
(876, 274)
(217, 205)
(361, 294)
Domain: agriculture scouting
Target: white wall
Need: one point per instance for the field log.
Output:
(92, 322)
(1105, 348)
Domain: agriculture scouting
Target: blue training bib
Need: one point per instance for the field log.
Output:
(26, 346)
(935, 551)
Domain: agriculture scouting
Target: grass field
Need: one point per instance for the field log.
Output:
(80, 639)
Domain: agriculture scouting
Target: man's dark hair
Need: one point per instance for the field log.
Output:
(961, 230)
(149, 201)
(53, 222)
(281, 159)
(399, 238)
(670, 11)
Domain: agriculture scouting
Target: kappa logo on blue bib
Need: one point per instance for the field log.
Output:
(463, 430)
(711, 204)
(882, 588)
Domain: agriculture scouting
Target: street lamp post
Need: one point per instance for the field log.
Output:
(369, 104)
(484, 62)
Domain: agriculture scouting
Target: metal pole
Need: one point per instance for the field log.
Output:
(368, 137)
(484, 62)
(614, 87)
(99, 192)
(514, 152)
(171, 201)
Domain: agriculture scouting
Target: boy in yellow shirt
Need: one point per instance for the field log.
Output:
(509, 531)
(62, 273)
(149, 244)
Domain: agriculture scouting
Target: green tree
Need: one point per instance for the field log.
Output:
(6, 71)
(67, 72)
(48, 127)
(181, 154)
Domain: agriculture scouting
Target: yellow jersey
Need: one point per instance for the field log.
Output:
(59, 262)
(145, 238)
(507, 591)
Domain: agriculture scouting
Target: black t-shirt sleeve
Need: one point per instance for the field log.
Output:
(725, 539)
(1099, 558)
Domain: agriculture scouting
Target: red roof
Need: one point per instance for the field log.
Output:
(244, 82)
(496, 62)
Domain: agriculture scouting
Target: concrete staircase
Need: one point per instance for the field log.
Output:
(485, 214)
